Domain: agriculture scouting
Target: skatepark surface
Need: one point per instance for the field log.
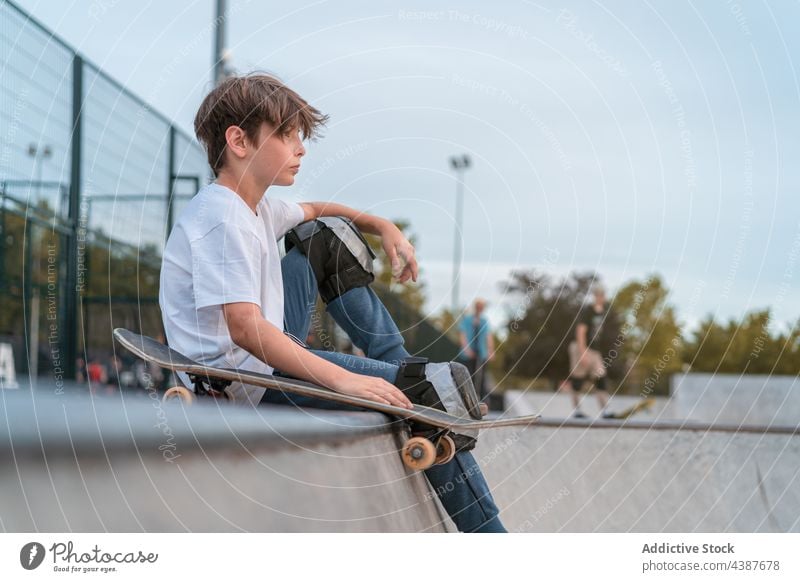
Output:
(76, 463)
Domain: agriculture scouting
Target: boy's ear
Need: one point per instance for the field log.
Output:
(236, 140)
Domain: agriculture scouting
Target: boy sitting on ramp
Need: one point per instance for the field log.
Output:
(228, 299)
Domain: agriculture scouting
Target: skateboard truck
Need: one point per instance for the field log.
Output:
(216, 387)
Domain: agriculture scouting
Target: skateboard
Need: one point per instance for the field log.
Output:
(418, 452)
(643, 404)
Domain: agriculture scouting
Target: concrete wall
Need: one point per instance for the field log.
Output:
(99, 465)
(579, 477)
(736, 399)
(81, 464)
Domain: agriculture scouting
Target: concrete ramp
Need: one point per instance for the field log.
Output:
(575, 476)
(112, 464)
(104, 464)
(558, 405)
(736, 399)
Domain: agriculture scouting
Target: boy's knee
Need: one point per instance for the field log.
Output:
(296, 270)
(295, 261)
(339, 257)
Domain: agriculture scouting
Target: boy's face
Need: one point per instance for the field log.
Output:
(276, 158)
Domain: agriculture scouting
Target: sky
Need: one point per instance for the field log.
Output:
(625, 138)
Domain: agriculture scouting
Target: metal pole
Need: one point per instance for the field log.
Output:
(457, 241)
(39, 152)
(171, 180)
(33, 350)
(460, 165)
(27, 291)
(3, 280)
(32, 269)
(70, 331)
(219, 43)
(38, 160)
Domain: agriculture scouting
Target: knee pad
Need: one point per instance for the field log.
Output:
(600, 383)
(337, 252)
(577, 384)
(444, 386)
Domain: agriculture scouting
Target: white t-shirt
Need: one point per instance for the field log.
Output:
(221, 252)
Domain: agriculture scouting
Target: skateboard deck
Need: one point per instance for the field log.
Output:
(164, 356)
(643, 404)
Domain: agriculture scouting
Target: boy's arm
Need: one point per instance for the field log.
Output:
(394, 243)
(250, 331)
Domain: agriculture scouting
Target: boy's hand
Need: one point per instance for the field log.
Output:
(372, 388)
(400, 253)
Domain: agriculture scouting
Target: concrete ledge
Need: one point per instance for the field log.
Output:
(106, 464)
(71, 423)
(668, 425)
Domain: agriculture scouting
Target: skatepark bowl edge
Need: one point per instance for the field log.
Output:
(131, 464)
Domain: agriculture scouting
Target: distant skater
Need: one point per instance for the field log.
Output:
(585, 358)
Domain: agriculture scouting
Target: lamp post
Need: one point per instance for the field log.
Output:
(39, 154)
(459, 165)
(222, 55)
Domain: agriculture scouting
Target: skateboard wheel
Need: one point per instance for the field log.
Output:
(445, 450)
(179, 393)
(418, 453)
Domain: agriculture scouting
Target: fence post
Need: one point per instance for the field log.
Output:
(70, 338)
(170, 179)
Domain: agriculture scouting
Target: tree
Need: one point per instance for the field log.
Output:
(412, 294)
(649, 341)
(744, 347)
(543, 325)
(787, 360)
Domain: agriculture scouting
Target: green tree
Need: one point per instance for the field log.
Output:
(447, 322)
(649, 341)
(744, 347)
(787, 360)
(543, 325)
(412, 294)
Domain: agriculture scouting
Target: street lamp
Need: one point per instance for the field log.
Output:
(38, 153)
(222, 55)
(459, 165)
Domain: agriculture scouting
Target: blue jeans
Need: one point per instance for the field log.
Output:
(459, 484)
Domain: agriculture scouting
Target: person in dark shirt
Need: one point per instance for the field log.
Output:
(585, 354)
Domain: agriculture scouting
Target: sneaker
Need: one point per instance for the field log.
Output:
(578, 414)
(608, 415)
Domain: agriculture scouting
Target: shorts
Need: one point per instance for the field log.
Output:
(591, 367)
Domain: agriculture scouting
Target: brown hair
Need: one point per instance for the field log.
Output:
(247, 102)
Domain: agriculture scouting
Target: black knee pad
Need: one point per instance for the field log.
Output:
(447, 387)
(337, 252)
(577, 383)
(600, 383)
